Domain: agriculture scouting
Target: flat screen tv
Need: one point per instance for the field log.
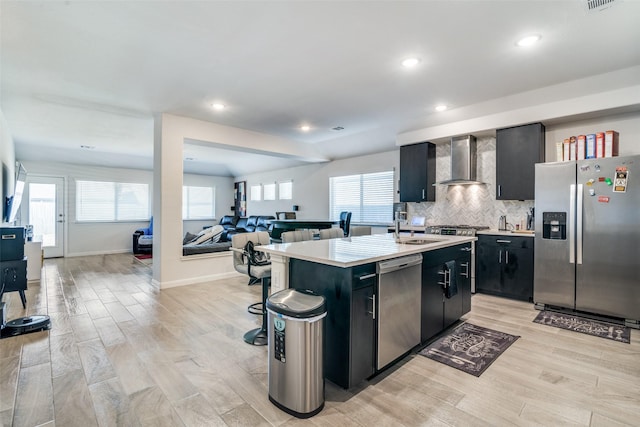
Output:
(13, 202)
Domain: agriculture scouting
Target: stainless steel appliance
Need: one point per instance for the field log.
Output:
(295, 363)
(398, 307)
(463, 161)
(461, 230)
(588, 236)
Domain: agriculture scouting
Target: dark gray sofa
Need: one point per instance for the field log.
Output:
(205, 248)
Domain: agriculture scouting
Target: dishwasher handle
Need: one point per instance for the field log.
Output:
(396, 264)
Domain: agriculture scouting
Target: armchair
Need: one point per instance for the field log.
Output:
(143, 239)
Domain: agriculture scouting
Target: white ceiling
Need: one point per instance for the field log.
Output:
(94, 72)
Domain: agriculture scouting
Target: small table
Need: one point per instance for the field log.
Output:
(282, 225)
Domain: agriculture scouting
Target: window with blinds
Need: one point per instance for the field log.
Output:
(111, 201)
(269, 191)
(369, 197)
(285, 190)
(198, 202)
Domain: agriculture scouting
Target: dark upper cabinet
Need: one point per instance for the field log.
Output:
(518, 149)
(418, 172)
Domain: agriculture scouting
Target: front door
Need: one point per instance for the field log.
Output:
(46, 213)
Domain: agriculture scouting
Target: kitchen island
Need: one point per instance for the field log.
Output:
(362, 326)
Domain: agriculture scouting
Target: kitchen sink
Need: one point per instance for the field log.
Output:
(419, 241)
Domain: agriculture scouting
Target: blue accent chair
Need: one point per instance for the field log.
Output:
(143, 239)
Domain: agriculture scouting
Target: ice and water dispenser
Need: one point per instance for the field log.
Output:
(554, 225)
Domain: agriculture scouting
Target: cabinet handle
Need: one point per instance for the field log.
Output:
(465, 249)
(423, 194)
(367, 276)
(506, 260)
(499, 190)
(502, 241)
(446, 280)
(466, 273)
(500, 257)
(373, 306)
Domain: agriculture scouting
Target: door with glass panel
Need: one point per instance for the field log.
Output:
(45, 197)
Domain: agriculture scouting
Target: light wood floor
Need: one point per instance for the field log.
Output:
(124, 353)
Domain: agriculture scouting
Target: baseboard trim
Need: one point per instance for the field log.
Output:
(102, 252)
(194, 280)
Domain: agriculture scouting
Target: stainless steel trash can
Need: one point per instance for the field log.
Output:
(295, 328)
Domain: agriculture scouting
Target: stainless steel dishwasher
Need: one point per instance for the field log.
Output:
(398, 307)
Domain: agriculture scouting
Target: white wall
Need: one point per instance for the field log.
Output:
(311, 183)
(628, 125)
(82, 238)
(7, 164)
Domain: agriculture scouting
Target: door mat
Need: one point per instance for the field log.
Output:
(469, 348)
(146, 259)
(586, 326)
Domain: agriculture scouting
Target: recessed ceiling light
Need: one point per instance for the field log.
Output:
(441, 107)
(305, 128)
(218, 106)
(529, 40)
(410, 62)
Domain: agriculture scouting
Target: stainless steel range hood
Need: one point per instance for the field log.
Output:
(463, 161)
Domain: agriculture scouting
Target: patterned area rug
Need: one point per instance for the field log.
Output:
(469, 348)
(586, 326)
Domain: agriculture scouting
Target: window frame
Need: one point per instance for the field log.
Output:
(186, 189)
(115, 203)
(362, 209)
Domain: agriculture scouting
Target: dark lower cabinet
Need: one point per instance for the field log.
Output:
(440, 310)
(505, 266)
(349, 328)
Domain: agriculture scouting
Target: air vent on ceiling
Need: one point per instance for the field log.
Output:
(337, 128)
(599, 5)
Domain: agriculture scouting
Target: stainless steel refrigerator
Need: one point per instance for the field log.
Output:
(587, 224)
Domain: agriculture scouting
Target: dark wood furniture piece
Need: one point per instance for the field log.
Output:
(350, 326)
(439, 311)
(278, 226)
(504, 266)
(418, 172)
(13, 263)
(349, 345)
(518, 149)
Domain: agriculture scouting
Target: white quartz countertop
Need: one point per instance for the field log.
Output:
(494, 232)
(352, 251)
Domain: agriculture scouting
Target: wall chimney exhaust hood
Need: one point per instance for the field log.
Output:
(463, 161)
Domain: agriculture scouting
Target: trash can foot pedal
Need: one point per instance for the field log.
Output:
(256, 336)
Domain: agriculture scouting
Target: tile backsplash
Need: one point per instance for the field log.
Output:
(469, 204)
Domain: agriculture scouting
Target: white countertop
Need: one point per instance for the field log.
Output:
(352, 251)
(494, 232)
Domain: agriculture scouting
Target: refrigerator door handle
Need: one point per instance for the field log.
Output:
(579, 225)
(572, 223)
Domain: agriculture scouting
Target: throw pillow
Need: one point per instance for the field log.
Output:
(188, 238)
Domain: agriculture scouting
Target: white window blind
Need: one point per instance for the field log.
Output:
(285, 190)
(269, 191)
(111, 201)
(369, 197)
(198, 202)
